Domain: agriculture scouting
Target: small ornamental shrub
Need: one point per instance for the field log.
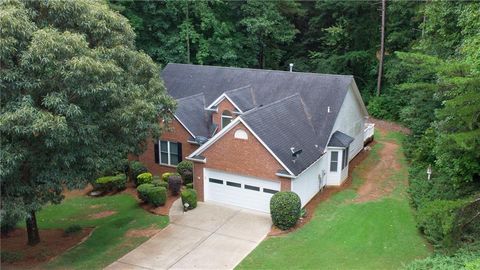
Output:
(185, 169)
(136, 168)
(160, 183)
(142, 191)
(157, 195)
(111, 183)
(285, 209)
(72, 229)
(190, 185)
(174, 183)
(144, 178)
(166, 175)
(189, 196)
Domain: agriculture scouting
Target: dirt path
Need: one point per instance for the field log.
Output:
(376, 178)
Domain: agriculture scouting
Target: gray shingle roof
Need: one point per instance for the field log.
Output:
(340, 139)
(191, 112)
(306, 96)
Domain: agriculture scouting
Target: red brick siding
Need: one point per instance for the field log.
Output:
(225, 104)
(243, 157)
(177, 134)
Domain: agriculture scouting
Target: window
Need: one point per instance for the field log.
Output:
(226, 118)
(170, 153)
(252, 187)
(345, 158)
(233, 184)
(271, 191)
(215, 181)
(334, 161)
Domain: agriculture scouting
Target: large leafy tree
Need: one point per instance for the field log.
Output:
(76, 98)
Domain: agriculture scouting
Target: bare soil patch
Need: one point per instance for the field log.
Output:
(383, 126)
(141, 233)
(77, 192)
(53, 243)
(102, 214)
(323, 196)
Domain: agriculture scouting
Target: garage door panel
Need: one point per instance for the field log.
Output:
(239, 190)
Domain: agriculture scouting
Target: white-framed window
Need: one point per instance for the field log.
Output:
(169, 153)
(226, 118)
(334, 161)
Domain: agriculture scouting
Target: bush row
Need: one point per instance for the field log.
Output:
(155, 195)
(111, 183)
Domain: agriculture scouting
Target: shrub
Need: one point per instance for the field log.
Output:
(185, 169)
(144, 178)
(285, 209)
(157, 195)
(166, 175)
(111, 183)
(190, 185)
(8, 221)
(10, 256)
(160, 183)
(436, 220)
(189, 196)
(174, 183)
(136, 168)
(142, 191)
(72, 229)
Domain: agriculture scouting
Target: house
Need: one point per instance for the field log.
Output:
(252, 133)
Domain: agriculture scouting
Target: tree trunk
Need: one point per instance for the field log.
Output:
(32, 229)
(382, 48)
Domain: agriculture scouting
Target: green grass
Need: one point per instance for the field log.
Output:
(344, 235)
(108, 241)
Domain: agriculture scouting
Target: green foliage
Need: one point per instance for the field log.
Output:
(174, 183)
(76, 98)
(436, 219)
(189, 196)
(466, 258)
(136, 168)
(166, 175)
(142, 191)
(72, 229)
(10, 256)
(285, 209)
(160, 183)
(8, 220)
(185, 169)
(156, 195)
(144, 178)
(111, 183)
(189, 185)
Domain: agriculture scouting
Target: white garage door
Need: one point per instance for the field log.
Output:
(242, 191)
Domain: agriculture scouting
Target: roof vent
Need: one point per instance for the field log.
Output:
(328, 109)
(295, 154)
(291, 67)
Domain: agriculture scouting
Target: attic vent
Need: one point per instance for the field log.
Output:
(295, 154)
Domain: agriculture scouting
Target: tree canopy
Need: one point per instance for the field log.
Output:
(76, 98)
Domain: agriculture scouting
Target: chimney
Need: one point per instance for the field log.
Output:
(291, 67)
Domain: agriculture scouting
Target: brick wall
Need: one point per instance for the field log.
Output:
(225, 104)
(244, 157)
(177, 134)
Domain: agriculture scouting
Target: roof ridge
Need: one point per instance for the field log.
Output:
(258, 108)
(187, 97)
(265, 70)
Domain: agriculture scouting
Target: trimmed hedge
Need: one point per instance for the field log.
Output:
(142, 191)
(111, 183)
(285, 209)
(136, 168)
(189, 196)
(157, 195)
(185, 169)
(160, 183)
(144, 178)
(166, 175)
(174, 183)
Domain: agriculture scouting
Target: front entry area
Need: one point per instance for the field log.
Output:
(239, 190)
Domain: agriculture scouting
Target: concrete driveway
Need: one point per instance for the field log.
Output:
(212, 236)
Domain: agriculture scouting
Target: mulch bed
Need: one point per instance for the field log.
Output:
(53, 243)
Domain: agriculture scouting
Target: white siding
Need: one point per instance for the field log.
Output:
(309, 182)
(351, 121)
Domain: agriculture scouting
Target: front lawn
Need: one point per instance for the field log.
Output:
(112, 217)
(345, 234)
